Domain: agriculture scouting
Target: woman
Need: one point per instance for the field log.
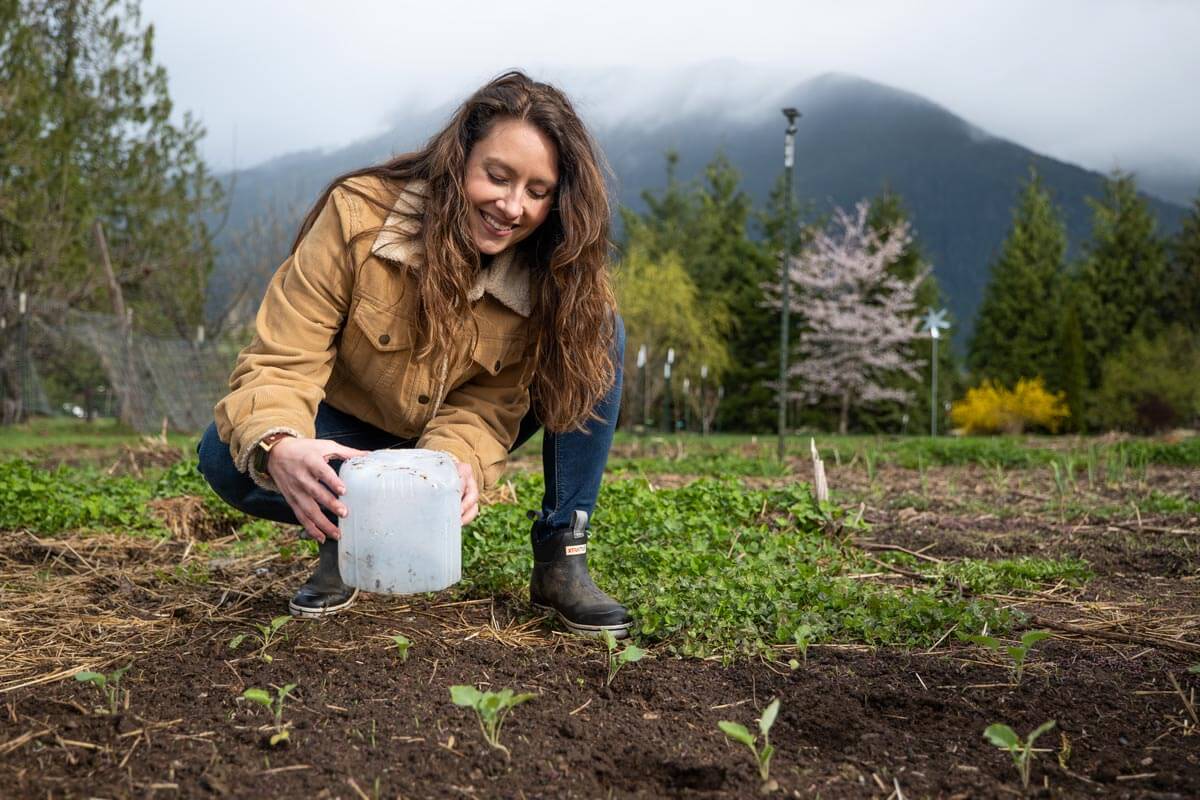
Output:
(454, 299)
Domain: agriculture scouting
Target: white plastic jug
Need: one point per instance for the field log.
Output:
(403, 532)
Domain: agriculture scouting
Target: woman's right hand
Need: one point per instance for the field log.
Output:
(301, 470)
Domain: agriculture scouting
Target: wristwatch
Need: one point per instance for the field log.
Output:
(263, 449)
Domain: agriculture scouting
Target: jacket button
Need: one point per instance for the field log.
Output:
(384, 339)
(497, 367)
(423, 399)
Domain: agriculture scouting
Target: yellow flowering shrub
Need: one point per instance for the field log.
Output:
(990, 408)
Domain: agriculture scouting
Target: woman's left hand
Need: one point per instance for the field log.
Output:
(470, 493)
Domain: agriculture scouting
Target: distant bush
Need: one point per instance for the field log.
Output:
(991, 408)
(1150, 385)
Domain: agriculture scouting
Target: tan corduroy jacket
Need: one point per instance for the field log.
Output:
(338, 324)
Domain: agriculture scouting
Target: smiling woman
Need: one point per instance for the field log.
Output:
(455, 299)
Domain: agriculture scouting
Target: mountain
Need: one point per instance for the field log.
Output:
(855, 137)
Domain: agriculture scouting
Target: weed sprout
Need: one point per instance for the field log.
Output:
(275, 706)
(738, 733)
(491, 708)
(402, 645)
(1017, 653)
(1006, 738)
(108, 685)
(265, 636)
(628, 654)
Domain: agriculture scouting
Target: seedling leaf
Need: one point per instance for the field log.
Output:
(1002, 736)
(1039, 730)
(631, 653)
(259, 696)
(1030, 638)
(465, 696)
(768, 717)
(91, 677)
(236, 641)
(737, 732)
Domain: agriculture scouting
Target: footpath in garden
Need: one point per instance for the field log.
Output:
(885, 627)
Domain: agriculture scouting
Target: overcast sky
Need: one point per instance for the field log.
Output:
(1100, 83)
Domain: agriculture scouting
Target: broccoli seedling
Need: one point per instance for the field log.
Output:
(275, 706)
(1006, 738)
(628, 654)
(490, 708)
(265, 636)
(108, 685)
(402, 645)
(738, 733)
(1017, 653)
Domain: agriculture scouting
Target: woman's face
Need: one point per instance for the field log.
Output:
(510, 182)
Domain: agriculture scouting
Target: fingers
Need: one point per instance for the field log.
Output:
(469, 508)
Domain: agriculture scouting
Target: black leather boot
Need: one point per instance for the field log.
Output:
(561, 585)
(323, 594)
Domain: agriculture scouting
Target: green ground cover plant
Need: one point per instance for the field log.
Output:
(715, 568)
(1008, 574)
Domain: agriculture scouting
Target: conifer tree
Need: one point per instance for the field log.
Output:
(1121, 286)
(1182, 301)
(1016, 331)
(1071, 371)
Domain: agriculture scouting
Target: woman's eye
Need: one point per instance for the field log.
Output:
(539, 195)
(497, 179)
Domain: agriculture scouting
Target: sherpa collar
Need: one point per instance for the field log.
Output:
(506, 278)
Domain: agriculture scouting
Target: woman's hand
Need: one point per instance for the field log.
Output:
(300, 468)
(470, 492)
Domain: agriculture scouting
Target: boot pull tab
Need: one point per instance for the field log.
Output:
(579, 524)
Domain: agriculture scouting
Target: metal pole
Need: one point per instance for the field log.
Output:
(933, 389)
(23, 370)
(789, 150)
(641, 365)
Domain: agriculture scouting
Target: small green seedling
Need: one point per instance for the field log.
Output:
(402, 645)
(491, 708)
(1006, 738)
(275, 706)
(628, 654)
(738, 733)
(108, 685)
(1018, 652)
(804, 636)
(265, 636)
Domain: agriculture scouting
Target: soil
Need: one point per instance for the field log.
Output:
(854, 721)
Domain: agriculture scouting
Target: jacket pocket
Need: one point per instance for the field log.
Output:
(494, 353)
(378, 346)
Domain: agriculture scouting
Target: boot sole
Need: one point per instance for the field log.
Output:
(619, 631)
(326, 611)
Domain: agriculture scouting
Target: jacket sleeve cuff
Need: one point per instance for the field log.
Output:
(245, 462)
(460, 455)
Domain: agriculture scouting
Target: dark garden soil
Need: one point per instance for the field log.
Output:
(854, 722)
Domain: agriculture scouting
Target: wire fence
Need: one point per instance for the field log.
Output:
(151, 380)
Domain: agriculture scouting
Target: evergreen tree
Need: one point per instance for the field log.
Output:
(1182, 300)
(1121, 286)
(1071, 368)
(1016, 331)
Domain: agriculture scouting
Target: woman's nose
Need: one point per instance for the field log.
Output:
(510, 204)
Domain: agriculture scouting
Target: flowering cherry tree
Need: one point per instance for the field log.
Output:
(858, 317)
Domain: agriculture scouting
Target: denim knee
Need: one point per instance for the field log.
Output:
(216, 465)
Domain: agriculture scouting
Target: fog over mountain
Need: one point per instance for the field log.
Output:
(856, 136)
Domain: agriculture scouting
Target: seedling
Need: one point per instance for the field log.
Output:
(1006, 738)
(490, 708)
(805, 635)
(108, 685)
(738, 733)
(275, 706)
(1016, 652)
(628, 654)
(265, 636)
(402, 645)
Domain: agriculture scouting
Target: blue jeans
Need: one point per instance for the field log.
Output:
(573, 463)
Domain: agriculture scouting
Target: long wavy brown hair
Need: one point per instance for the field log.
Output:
(573, 303)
